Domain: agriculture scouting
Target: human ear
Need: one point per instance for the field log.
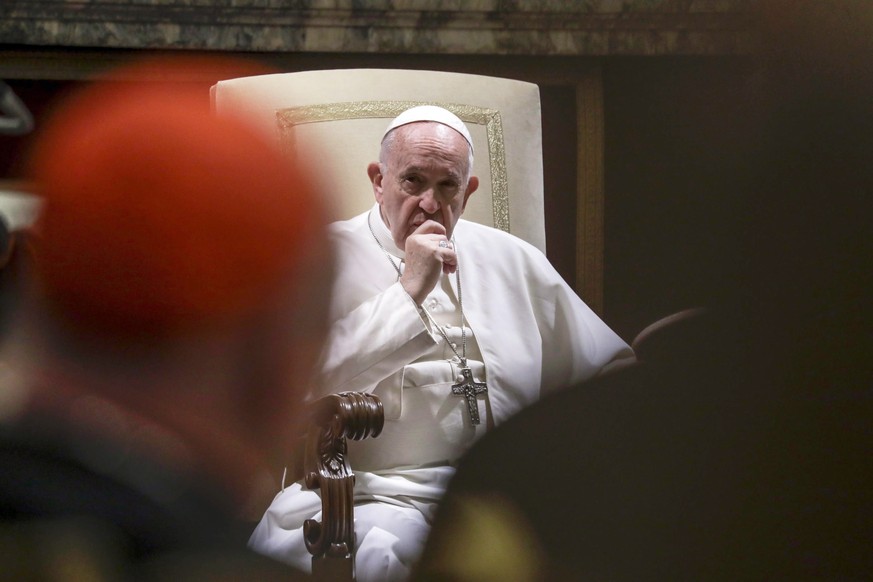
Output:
(374, 171)
(472, 186)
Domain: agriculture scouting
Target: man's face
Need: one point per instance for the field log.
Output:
(423, 177)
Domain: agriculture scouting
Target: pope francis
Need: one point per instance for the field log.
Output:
(454, 325)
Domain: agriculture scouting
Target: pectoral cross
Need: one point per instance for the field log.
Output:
(469, 388)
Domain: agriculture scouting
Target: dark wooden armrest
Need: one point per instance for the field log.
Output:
(335, 418)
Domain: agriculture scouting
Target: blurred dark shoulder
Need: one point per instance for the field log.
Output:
(74, 504)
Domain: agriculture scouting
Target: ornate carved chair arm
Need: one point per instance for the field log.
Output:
(334, 419)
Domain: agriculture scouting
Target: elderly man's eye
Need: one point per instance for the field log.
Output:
(411, 183)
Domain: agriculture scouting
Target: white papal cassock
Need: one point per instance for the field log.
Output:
(528, 333)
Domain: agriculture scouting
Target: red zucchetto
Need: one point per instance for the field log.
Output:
(159, 215)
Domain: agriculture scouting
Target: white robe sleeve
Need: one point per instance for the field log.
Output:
(373, 341)
(577, 344)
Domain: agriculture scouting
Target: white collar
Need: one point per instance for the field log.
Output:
(383, 235)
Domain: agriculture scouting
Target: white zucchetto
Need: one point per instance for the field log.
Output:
(431, 113)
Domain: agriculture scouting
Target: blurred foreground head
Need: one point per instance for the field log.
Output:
(162, 218)
(181, 269)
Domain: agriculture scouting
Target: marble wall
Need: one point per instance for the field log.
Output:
(482, 27)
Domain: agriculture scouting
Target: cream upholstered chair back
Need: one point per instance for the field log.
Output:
(345, 112)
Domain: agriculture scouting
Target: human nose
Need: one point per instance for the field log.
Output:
(428, 201)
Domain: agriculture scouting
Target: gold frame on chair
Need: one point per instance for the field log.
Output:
(290, 117)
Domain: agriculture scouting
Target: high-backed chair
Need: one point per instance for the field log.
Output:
(346, 112)
(340, 116)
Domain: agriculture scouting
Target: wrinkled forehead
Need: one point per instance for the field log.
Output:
(430, 145)
(432, 130)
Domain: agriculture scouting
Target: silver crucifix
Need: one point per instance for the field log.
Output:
(469, 388)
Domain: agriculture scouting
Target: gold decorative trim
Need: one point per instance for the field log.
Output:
(289, 117)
